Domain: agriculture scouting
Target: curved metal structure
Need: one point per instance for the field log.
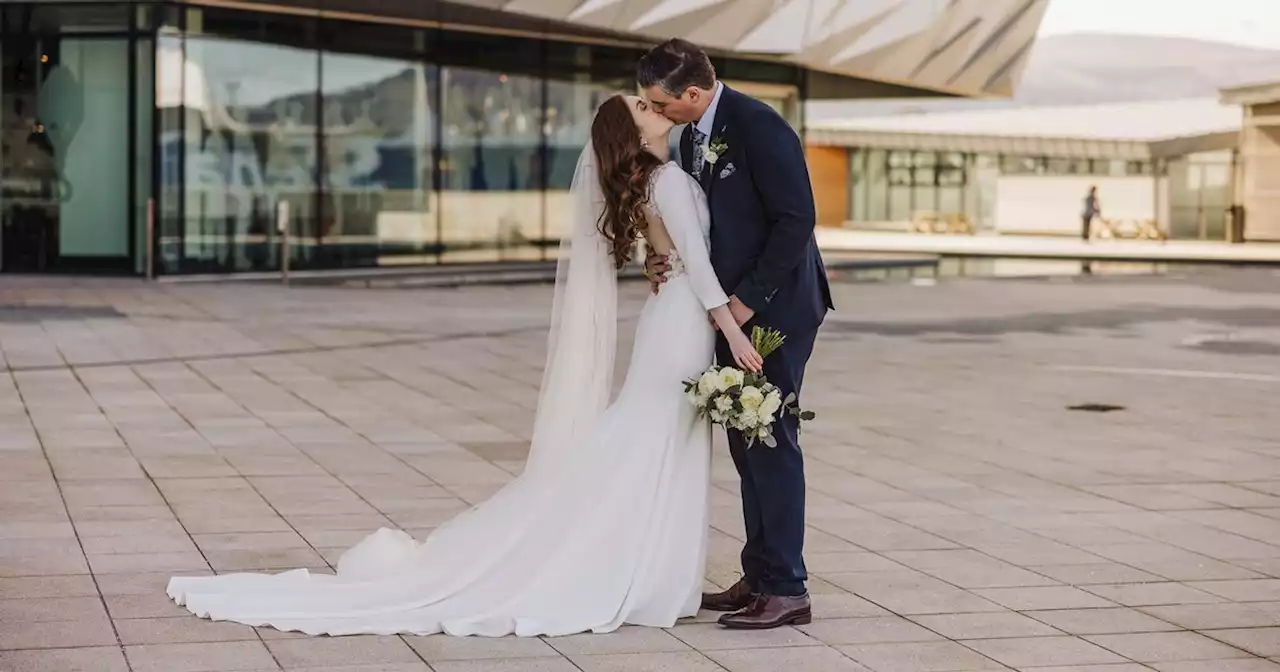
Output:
(961, 47)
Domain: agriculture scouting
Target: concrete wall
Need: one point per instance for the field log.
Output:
(1035, 204)
(1260, 154)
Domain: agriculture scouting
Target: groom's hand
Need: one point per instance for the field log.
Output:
(655, 268)
(741, 313)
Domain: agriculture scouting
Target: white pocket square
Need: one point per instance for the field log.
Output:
(728, 170)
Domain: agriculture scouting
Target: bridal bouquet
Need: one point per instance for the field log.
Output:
(746, 402)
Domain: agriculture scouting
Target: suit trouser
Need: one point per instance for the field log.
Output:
(773, 489)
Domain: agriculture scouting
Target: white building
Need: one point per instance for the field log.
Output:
(1166, 166)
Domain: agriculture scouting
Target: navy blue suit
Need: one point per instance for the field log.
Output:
(764, 252)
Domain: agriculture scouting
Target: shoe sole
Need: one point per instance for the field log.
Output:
(725, 608)
(798, 619)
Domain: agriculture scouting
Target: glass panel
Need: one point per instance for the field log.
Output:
(858, 185)
(1058, 166)
(1184, 199)
(925, 179)
(951, 180)
(756, 71)
(899, 204)
(1022, 165)
(379, 140)
(88, 118)
(877, 186)
(900, 180)
(581, 78)
(144, 108)
(924, 160)
(170, 81)
(250, 144)
(986, 175)
(491, 174)
(30, 181)
(66, 144)
(950, 200)
(1216, 198)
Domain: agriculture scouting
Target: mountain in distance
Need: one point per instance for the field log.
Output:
(1091, 68)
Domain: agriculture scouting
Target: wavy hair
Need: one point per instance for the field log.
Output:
(625, 170)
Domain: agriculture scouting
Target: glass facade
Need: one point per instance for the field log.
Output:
(367, 144)
(1200, 193)
(72, 168)
(897, 185)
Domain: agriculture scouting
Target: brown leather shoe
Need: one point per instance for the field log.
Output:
(771, 611)
(738, 596)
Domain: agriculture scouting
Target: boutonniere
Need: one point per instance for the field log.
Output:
(713, 150)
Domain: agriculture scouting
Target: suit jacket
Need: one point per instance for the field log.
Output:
(762, 215)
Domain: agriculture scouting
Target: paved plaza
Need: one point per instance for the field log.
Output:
(961, 515)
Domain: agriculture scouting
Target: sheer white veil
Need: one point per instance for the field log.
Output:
(582, 346)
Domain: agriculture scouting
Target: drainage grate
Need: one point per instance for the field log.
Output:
(1095, 408)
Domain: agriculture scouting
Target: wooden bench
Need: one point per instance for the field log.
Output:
(930, 222)
(1130, 229)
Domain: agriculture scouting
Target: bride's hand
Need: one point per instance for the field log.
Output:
(744, 353)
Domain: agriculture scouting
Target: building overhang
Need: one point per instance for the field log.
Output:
(1059, 147)
(1251, 94)
(849, 48)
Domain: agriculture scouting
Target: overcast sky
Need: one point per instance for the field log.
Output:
(1249, 22)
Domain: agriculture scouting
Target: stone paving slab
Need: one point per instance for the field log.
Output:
(961, 517)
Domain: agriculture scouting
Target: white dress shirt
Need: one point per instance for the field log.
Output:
(708, 118)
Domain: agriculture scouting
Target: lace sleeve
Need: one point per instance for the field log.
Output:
(684, 211)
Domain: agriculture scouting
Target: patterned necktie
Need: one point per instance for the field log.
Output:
(699, 158)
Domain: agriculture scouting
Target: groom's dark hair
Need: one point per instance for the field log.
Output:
(676, 65)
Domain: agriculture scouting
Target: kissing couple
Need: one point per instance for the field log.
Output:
(608, 523)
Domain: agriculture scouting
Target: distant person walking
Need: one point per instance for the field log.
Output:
(1092, 208)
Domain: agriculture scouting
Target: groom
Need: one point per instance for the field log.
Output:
(751, 165)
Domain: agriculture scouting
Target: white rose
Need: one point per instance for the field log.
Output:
(771, 404)
(707, 383)
(751, 397)
(694, 397)
(710, 156)
(728, 379)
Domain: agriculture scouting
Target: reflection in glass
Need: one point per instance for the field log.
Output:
(490, 173)
(877, 186)
(1199, 195)
(249, 145)
(144, 108)
(378, 206)
(984, 180)
(1022, 165)
(858, 185)
(581, 78)
(171, 70)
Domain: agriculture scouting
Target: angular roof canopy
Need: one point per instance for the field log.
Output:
(863, 48)
(958, 47)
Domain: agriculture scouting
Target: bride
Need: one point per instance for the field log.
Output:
(608, 522)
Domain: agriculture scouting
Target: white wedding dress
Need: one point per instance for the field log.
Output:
(608, 522)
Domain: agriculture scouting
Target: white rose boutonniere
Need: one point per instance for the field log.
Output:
(713, 150)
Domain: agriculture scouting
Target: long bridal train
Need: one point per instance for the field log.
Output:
(608, 522)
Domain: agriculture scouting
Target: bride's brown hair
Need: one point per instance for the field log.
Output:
(625, 168)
